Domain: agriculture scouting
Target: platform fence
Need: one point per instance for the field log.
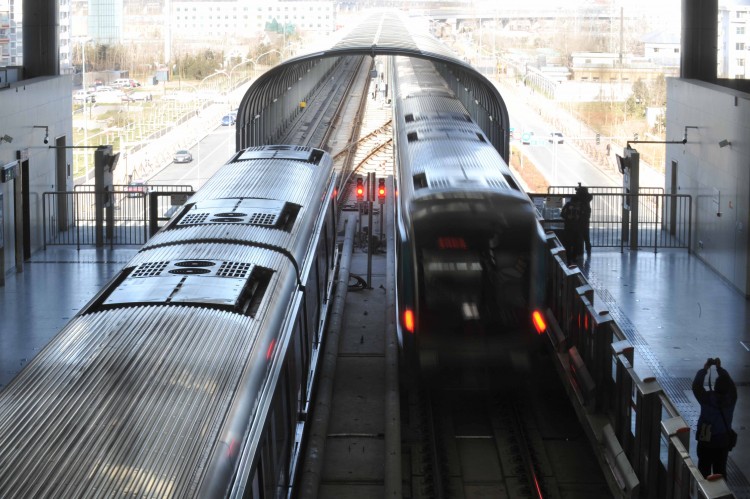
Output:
(643, 440)
(664, 220)
(70, 217)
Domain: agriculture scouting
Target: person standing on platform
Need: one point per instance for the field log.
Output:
(715, 421)
(585, 198)
(572, 215)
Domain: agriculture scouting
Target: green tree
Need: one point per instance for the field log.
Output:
(638, 100)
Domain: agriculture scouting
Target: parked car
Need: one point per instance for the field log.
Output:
(182, 156)
(84, 95)
(227, 120)
(556, 137)
(137, 188)
(108, 95)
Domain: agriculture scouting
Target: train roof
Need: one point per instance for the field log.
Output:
(200, 274)
(99, 443)
(285, 172)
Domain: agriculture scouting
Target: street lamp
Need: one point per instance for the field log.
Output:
(247, 61)
(83, 42)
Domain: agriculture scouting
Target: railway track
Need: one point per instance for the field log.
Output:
(472, 434)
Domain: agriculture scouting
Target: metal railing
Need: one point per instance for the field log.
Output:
(643, 439)
(70, 218)
(664, 220)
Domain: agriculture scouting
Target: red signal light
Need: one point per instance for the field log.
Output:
(360, 189)
(381, 190)
(539, 323)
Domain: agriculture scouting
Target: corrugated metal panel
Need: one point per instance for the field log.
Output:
(390, 30)
(438, 158)
(223, 232)
(123, 403)
(287, 180)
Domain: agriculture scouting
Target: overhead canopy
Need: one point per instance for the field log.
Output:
(263, 109)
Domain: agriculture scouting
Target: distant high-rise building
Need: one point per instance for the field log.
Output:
(734, 40)
(11, 35)
(105, 19)
(66, 51)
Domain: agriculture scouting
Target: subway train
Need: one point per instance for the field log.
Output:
(190, 373)
(470, 271)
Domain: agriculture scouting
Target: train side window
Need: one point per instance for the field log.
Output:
(267, 483)
(312, 302)
(420, 181)
(301, 357)
(280, 431)
(321, 261)
(255, 484)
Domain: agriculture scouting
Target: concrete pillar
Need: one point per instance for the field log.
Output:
(699, 39)
(41, 35)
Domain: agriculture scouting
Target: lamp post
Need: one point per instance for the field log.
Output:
(218, 72)
(85, 101)
(247, 61)
(257, 58)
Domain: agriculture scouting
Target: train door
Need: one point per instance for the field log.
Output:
(62, 174)
(23, 217)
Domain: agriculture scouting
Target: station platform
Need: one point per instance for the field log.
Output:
(674, 309)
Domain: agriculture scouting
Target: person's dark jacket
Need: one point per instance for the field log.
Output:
(585, 198)
(713, 403)
(573, 213)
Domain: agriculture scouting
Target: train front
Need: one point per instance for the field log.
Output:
(477, 278)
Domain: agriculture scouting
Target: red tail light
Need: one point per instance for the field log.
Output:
(452, 243)
(539, 322)
(270, 349)
(409, 320)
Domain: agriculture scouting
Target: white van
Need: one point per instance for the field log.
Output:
(121, 83)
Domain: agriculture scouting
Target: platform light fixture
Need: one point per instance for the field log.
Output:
(724, 143)
(46, 132)
(6, 138)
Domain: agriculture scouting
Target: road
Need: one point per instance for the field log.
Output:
(561, 164)
(209, 154)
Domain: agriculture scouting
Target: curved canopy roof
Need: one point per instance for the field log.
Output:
(384, 33)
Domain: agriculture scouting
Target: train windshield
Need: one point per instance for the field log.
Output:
(479, 280)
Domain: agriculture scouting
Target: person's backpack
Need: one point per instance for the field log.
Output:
(571, 212)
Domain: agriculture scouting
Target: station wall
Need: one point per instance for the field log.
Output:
(45, 101)
(714, 168)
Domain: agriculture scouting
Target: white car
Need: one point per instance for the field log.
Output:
(83, 95)
(556, 137)
(109, 95)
